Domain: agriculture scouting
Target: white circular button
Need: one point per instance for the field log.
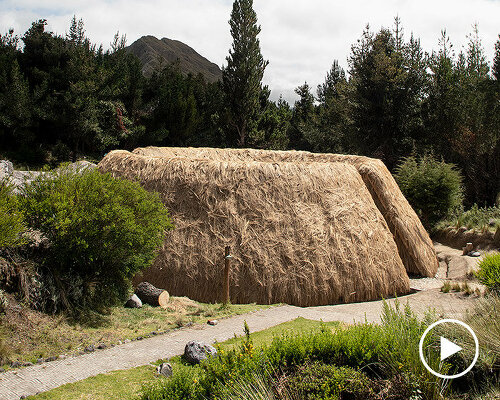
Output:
(448, 348)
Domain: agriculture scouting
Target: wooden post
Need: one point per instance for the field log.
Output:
(227, 264)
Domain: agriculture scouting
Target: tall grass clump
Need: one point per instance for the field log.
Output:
(433, 188)
(101, 232)
(479, 218)
(488, 272)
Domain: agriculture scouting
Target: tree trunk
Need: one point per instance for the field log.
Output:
(151, 295)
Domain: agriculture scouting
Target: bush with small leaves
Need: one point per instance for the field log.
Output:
(433, 188)
(101, 230)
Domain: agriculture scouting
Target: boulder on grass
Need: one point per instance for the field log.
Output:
(195, 352)
(133, 302)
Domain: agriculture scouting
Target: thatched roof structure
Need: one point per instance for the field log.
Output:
(304, 229)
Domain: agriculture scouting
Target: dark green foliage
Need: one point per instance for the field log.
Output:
(432, 187)
(342, 364)
(102, 231)
(242, 77)
(62, 97)
(11, 219)
(489, 271)
(318, 381)
(387, 83)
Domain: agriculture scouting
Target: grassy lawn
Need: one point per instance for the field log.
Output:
(28, 335)
(126, 384)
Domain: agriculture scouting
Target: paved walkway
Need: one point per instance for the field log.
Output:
(47, 376)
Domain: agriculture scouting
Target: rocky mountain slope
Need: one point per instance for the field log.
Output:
(152, 52)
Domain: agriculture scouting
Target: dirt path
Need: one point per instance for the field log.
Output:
(43, 377)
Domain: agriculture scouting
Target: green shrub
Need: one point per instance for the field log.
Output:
(101, 230)
(322, 381)
(433, 188)
(11, 219)
(489, 271)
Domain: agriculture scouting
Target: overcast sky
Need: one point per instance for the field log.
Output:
(299, 38)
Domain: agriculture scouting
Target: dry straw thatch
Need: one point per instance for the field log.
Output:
(414, 244)
(303, 229)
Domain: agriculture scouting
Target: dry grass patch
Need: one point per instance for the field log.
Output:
(29, 335)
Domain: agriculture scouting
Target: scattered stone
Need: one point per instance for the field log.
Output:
(492, 222)
(49, 359)
(102, 346)
(23, 396)
(27, 364)
(6, 168)
(119, 342)
(62, 357)
(39, 361)
(165, 369)
(474, 254)
(212, 322)
(154, 333)
(89, 349)
(467, 249)
(127, 341)
(1, 370)
(133, 302)
(139, 338)
(195, 352)
(15, 364)
(190, 323)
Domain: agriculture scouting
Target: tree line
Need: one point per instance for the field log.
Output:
(62, 97)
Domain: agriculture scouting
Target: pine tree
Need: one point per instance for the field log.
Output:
(242, 77)
(496, 61)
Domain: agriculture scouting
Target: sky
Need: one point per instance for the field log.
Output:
(301, 39)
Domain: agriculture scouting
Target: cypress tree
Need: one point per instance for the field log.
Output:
(242, 77)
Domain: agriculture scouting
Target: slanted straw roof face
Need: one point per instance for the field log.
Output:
(303, 233)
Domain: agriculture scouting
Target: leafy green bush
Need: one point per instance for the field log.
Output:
(11, 218)
(318, 381)
(489, 271)
(385, 351)
(433, 188)
(101, 230)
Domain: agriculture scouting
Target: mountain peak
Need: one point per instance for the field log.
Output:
(152, 51)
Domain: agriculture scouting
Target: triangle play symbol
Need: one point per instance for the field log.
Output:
(448, 348)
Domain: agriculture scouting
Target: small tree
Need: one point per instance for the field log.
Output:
(101, 230)
(432, 187)
(242, 77)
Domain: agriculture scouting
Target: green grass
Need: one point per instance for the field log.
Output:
(298, 325)
(126, 384)
(116, 385)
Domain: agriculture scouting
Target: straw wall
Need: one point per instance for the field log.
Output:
(300, 233)
(414, 244)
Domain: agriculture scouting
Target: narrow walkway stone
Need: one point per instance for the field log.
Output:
(43, 377)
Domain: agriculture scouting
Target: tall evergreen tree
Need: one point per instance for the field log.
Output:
(242, 77)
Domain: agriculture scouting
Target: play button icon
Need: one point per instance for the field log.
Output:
(447, 348)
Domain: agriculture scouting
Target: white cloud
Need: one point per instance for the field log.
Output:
(299, 38)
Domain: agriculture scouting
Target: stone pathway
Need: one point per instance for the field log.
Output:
(47, 376)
